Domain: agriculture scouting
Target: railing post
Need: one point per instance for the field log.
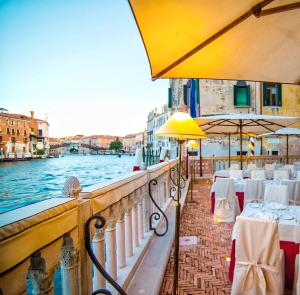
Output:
(146, 214)
(110, 238)
(121, 256)
(135, 226)
(140, 217)
(128, 231)
(98, 248)
(69, 267)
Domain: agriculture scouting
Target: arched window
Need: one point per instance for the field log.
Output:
(241, 92)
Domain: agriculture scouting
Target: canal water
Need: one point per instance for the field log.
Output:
(26, 182)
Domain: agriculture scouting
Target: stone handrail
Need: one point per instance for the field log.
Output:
(36, 239)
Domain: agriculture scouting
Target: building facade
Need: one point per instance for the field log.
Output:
(21, 136)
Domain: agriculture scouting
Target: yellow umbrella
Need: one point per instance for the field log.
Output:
(221, 39)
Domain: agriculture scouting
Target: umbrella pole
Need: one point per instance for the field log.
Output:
(200, 153)
(287, 150)
(241, 146)
(177, 223)
(229, 159)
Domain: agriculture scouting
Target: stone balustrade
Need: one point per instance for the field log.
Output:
(45, 240)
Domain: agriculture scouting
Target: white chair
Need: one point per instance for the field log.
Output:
(251, 166)
(296, 288)
(276, 193)
(298, 175)
(290, 167)
(254, 190)
(259, 265)
(270, 166)
(234, 167)
(226, 202)
(258, 174)
(237, 174)
(281, 174)
(293, 189)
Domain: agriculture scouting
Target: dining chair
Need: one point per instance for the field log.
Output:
(293, 189)
(251, 166)
(258, 174)
(270, 166)
(234, 167)
(254, 190)
(296, 288)
(237, 174)
(298, 175)
(259, 264)
(226, 202)
(276, 193)
(281, 174)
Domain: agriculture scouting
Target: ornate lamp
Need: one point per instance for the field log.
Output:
(180, 126)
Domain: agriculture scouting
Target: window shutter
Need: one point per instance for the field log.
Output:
(169, 97)
(265, 94)
(279, 89)
(248, 95)
(235, 95)
(185, 94)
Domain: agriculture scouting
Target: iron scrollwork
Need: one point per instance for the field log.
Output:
(100, 223)
(156, 215)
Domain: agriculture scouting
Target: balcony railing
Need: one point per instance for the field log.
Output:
(38, 239)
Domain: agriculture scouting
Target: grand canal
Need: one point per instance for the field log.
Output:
(26, 182)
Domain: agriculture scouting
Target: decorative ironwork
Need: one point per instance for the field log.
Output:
(182, 180)
(173, 191)
(100, 223)
(156, 215)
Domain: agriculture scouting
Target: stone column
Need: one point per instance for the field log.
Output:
(69, 267)
(146, 214)
(110, 238)
(135, 237)
(98, 249)
(121, 256)
(140, 219)
(42, 281)
(128, 232)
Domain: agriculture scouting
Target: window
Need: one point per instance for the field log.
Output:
(13, 139)
(272, 94)
(241, 92)
(7, 131)
(40, 132)
(25, 133)
(25, 140)
(12, 122)
(12, 131)
(18, 132)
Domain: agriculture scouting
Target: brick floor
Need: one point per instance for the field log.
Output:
(203, 268)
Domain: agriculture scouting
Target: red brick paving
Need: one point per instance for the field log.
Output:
(203, 268)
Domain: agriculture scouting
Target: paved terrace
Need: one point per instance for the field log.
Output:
(203, 268)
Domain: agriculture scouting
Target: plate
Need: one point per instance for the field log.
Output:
(254, 205)
(276, 206)
(286, 217)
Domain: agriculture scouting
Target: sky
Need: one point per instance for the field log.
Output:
(81, 64)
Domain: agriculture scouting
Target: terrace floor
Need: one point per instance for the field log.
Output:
(203, 268)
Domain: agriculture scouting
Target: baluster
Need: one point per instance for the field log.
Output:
(110, 239)
(146, 214)
(121, 237)
(135, 238)
(128, 231)
(69, 267)
(140, 218)
(98, 249)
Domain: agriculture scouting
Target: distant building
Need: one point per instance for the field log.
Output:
(20, 135)
(132, 141)
(102, 141)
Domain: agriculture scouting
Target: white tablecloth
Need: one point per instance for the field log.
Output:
(289, 230)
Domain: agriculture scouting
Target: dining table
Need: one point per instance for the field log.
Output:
(288, 219)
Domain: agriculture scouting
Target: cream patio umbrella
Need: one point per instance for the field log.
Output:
(243, 123)
(283, 132)
(221, 39)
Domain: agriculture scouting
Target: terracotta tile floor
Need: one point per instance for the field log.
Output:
(203, 268)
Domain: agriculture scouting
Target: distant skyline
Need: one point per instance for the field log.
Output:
(80, 63)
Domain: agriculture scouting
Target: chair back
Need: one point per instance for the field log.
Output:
(237, 174)
(290, 167)
(276, 193)
(298, 175)
(258, 174)
(270, 166)
(234, 167)
(292, 186)
(281, 174)
(224, 188)
(254, 190)
(257, 252)
(251, 166)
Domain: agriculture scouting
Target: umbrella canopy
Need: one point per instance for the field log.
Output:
(221, 39)
(243, 123)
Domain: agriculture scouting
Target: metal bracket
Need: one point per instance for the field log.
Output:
(99, 224)
(156, 215)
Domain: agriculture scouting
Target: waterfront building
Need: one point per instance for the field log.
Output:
(21, 136)
(132, 141)
(101, 141)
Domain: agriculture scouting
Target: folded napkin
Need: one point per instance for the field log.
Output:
(265, 215)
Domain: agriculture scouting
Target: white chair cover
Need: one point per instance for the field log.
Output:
(251, 166)
(298, 175)
(237, 174)
(254, 190)
(270, 166)
(259, 266)
(296, 288)
(290, 167)
(293, 189)
(281, 174)
(258, 174)
(226, 202)
(234, 167)
(276, 193)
